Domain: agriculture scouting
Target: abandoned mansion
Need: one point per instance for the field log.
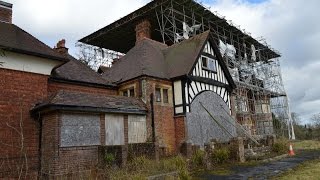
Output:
(172, 74)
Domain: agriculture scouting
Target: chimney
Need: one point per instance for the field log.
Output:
(5, 12)
(61, 47)
(143, 30)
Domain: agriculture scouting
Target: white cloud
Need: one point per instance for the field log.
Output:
(51, 20)
(290, 26)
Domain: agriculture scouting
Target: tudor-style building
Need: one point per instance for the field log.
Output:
(177, 78)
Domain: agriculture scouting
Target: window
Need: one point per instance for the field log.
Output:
(162, 94)
(79, 130)
(165, 96)
(131, 92)
(204, 62)
(208, 64)
(114, 128)
(128, 92)
(125, 93)
(137, 129)
(158, 94)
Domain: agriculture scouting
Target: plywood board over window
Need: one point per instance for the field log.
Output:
(79, 130)
(114, 129)
(137, 129)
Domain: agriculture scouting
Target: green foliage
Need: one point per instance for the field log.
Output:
(197, 158)
(281, 146)
(109, 158)
(220, 156)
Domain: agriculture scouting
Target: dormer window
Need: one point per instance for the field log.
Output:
(208, 64)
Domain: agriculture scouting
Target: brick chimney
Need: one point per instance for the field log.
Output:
(143, 30)
(61, 47)
(5, 12)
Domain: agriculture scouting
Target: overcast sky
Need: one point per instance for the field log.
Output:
(290, 26)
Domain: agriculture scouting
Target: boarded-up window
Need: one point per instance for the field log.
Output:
(80, 130)
(114, 129)
(137, 129)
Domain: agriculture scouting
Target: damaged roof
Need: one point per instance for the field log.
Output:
(13, 38)
(88, 102)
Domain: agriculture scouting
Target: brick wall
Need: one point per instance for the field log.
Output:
(6, 14)
(19, 92)
(163, 112)
(62, 161)
(180, 130)
(163, 116)
(53, 87)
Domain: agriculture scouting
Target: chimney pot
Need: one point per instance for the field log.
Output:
(5, 12)
(61, 47)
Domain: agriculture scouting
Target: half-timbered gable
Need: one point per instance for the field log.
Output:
(208, 73)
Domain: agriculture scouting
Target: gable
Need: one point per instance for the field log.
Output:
(208, 73)
(208, 66)
(220, 73)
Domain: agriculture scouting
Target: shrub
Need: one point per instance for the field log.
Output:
(109, 159)
(280, 146)
(197, 158)
(221, 155)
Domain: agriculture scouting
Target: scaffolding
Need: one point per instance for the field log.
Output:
(259, 98)
(95, 56)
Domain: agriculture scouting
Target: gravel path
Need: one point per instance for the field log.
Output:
(267, 170)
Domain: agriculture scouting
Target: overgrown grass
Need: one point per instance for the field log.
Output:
(306, 171)
(220, 156)
(142, 167)
(306, 144)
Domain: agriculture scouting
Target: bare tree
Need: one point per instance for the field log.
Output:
(296, 120)
(315, 120)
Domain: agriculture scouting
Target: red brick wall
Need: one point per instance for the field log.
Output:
(19, 91)
(180, 130)
(5, 15)
(163, 113)
(163, 117)
(63, 161)
(53, 87)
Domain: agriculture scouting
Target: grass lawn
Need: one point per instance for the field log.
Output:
(306, 171)
(306, 144)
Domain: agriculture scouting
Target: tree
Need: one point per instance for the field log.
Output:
(315, 120)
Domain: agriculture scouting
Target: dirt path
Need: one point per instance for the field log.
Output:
(267, 170)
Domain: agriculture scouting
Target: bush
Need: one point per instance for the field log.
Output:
(220, 156)
(280, 146)
(197, 158)
(109, 159)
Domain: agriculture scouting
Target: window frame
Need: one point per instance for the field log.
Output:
(206, 68)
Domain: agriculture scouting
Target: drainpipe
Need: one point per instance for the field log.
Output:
(152, 118)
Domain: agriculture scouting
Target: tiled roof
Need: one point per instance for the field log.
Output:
(155, 59)
(146, 58)
(76, 71)
(13, 38)
(79, 101)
